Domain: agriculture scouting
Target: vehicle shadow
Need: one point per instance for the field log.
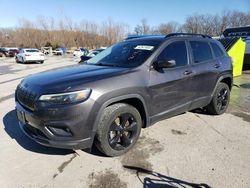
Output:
(157, 180)
(94, 151)
(200, 111)
(12, 128)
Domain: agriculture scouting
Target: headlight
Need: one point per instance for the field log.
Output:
(66, 98)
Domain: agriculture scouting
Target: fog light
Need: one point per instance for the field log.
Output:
(62, 131)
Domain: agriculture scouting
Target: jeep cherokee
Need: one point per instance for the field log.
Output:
(129, 86)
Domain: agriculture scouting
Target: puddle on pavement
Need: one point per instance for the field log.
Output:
(246, 86)
(240, 95)
(138, 156)
(107, 179)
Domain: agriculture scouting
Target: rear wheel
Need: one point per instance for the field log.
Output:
(119, 129)
(41, 62)
(220, 100)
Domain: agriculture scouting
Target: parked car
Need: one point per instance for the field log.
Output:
(91, 54)
(30, 55)
(3, 52)
(64, 50)
(47, 50)
(130, 85)
(13, 52)
(80, 52)
(58, 51)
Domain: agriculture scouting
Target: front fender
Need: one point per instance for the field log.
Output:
(116, 100)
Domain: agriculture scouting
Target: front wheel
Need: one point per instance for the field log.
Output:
(220, 100)
(119, 129)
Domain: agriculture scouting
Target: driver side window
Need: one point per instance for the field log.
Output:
(175, 51)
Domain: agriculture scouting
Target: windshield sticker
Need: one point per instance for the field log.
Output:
(144, 47)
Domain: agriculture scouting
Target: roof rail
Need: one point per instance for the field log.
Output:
(134, 36)
(187, 34)
(140, 36)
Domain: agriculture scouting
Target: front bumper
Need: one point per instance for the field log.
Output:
(35, 135)
(66, 128)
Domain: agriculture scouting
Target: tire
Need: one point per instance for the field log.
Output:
(220, 100)
(119, 129)
(17, 60)
(41, 62)
(23, 61)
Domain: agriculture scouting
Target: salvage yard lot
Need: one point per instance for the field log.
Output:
(189, 150)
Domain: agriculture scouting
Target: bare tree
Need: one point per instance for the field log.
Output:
(67, 33)
(167, 28)
(215, 24)
(143, 28)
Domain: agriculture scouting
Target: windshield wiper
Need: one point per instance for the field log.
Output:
(104, 64)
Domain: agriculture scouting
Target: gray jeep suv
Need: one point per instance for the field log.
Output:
(129, 86)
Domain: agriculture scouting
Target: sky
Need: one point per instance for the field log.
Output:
(130, 12)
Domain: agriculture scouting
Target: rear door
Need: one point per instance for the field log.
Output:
(206, 71)
(170, 88)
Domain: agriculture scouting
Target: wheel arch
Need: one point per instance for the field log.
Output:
(134, 100)
(225, 78)
(138, 104)
(228, 81)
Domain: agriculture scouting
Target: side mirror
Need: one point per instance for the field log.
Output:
(84, 58)
(164, 64)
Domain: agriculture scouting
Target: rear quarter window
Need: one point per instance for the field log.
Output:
(201, 51)
(217, 50)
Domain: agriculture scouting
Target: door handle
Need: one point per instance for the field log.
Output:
(187, 72)
(217, 66)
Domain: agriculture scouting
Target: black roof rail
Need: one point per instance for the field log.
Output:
(140, 36)
(187, 34)
(134, 36)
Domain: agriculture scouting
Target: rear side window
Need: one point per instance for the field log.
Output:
(217, 50)
(201, 51)
(175, 51)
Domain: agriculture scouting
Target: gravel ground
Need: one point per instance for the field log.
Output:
(190, 150)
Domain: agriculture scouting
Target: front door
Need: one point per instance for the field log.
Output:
(171, 88)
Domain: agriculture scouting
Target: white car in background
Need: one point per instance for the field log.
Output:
(58, 51)
(80, 52)
(30, 55)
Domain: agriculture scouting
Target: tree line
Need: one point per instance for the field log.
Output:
(47, 31)
(209, 24)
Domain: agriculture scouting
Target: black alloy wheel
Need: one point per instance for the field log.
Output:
(222, 99)
(118, 130)
(122, 131)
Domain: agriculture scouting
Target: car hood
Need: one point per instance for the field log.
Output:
(69, 78)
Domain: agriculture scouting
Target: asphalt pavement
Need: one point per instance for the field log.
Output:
(190, 150)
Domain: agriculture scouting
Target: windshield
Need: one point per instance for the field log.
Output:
(125, 54)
